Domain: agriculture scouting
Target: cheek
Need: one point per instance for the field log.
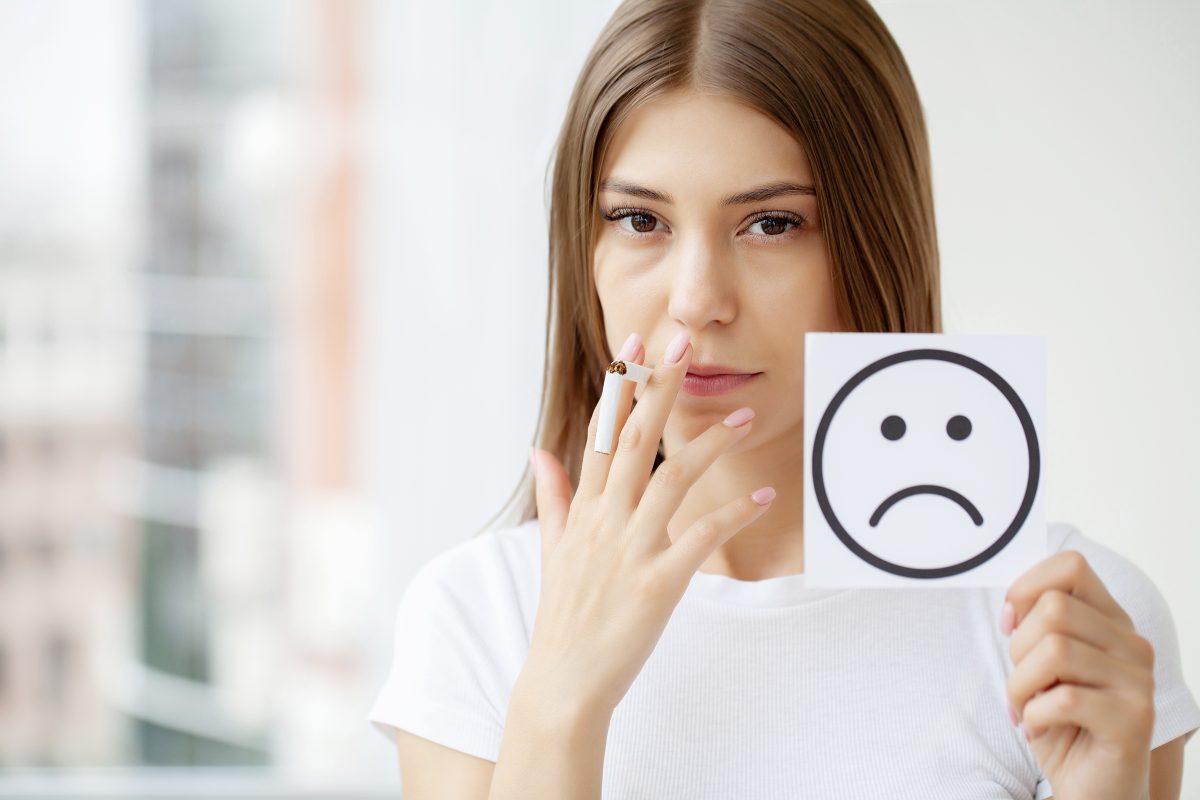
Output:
(626, 305)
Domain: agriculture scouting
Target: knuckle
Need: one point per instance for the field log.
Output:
(1068, 698)
(1020, 598)
(1058, 646)
(631, 436)
(659, 378)
(671, 474)
(1144, 709)
(1077, 563)
(659, 581)
(1145, 649)
(645, 585)
(705, 530)
(1057, 607)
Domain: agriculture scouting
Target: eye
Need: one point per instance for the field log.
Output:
(640, 222)
(776, 224)
(892, 427)
(958, 427)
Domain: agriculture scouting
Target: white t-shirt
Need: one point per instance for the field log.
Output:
(763, 688)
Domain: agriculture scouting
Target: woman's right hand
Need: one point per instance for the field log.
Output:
(611, 576)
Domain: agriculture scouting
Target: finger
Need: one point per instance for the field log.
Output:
(1069, 572)
(1061, 659)
(593, 470)
(552, 489)
(637, 443)
(681, 560)
(1103, 712)
(1058, 612)
(675, 477)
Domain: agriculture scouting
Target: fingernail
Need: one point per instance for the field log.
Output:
(1025, 731)
(629, 349)
(763, 496)
(676, 347)
(740, 417)
(1006, 619)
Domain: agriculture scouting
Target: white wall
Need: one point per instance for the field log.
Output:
(1064, 184)
(1064, 176)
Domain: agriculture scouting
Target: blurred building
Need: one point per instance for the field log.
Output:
(70, 382)
(181, 532)
(68, 393)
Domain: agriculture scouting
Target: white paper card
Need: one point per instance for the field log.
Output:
(925, 459)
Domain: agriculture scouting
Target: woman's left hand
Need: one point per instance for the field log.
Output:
(1082, 683)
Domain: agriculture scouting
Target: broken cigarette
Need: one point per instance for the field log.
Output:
(610, 397)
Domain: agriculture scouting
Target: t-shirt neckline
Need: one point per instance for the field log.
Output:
(781, 590)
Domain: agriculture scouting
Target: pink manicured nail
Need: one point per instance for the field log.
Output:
(740, 417)
(763, 496)
(1006, 619)
(629, 349)
(676, 347)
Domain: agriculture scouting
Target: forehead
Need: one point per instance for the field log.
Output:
(687, 138)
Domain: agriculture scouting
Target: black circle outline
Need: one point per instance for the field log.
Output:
(1031, 441)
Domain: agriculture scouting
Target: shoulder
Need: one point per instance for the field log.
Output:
(491, 579)
(461, 637)
(497, 560)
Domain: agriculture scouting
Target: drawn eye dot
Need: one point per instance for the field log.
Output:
(958, 427)
(892, 427)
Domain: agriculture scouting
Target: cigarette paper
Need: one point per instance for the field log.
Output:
(610, 398)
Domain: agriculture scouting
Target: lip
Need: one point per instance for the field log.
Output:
(715, 369)
(711, 385)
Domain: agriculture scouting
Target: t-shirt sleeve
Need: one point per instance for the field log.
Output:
(446, 682)
(1176, 712)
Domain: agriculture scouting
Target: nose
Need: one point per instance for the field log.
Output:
(703, 284)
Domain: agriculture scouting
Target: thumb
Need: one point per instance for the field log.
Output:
(553, 491)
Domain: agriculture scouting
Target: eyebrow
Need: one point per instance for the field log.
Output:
(755, 195)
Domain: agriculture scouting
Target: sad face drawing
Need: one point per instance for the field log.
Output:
(938, 427)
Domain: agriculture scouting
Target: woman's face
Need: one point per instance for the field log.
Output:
(746, 278)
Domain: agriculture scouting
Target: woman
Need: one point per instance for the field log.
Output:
(729, 176)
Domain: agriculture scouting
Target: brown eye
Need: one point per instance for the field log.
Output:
(776, 225)
(773, 226)
(642, 223)
(632, 221)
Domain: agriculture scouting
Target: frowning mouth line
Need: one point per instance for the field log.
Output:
(927, 488)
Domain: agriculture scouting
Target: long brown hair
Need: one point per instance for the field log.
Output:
(826, 70)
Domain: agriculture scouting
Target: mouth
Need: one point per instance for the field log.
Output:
(709, 385)
(928, 488)
(708, 370)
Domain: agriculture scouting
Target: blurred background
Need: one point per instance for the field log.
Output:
(261, 259)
